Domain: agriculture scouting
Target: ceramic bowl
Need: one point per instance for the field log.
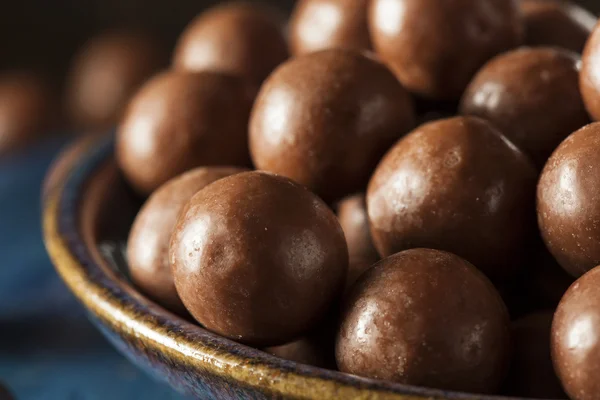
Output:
(87, 211)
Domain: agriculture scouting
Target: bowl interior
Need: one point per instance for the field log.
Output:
(87, 220)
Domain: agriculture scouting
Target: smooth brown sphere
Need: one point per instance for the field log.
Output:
(238, 38)
(436, 46)
(556, 23)
(567, 198)
(325, 24)
(106, 74)
(575, 339)
(325, 119)
(258, 258)
(182, 120)
(532, 95)
(456, 185)
(589, 78)
(531, 372)
(352, 214)
(148, 244)
(428, 318)
(27, 110)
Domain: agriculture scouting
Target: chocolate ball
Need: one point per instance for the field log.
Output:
(532, 95)
(324, 24)
(428, 318)
(456, 185)
(531, 372)
(179, 121)
(303, 351)
(325, 119)
(568, 191)
(26, 110)
(238, 38)
(352, 214)
(589, 78)
(258, 258)
(575, 340)
(105, 74)
(436, 46)
(148, 245)
(556, 23)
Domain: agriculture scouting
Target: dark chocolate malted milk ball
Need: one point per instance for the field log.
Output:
(436, 46)
(428, 318)
(575, 339)
(182, 120)
(27, 110)
(456, 185)
(531, 373)
(325, 119)
(240, 38)
(532, 95)
(589, 78)
(148, 244)
(567, 201)
(352, 214)
(557, 23)
(106, 74)
(325, 24)
(258, 258)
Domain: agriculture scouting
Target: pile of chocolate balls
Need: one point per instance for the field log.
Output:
(429, 127)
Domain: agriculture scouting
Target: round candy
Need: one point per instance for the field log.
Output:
(352, 214)
(531, 372)
(567, 198)
(148, 245)
(575, 339)
(325, 24)
(428, 318)
(26, 110)
(532, 95)
(589, 78)
(556, 23)
(104, 76)
(238, 38)
(456, 185)
(258, 258)
(326, 118)
(436, 46)
(181, 120)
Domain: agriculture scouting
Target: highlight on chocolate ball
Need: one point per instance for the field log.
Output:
(300, 199)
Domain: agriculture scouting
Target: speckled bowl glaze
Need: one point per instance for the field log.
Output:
(88, 205)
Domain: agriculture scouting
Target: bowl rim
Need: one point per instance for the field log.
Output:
(117, 304)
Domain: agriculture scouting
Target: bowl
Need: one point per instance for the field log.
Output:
(88, 209)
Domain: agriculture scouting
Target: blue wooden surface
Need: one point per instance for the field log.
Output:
(48, 348)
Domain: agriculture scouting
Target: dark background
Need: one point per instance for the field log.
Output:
(44, 34)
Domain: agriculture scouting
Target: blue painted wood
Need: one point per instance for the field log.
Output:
(48, 348)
